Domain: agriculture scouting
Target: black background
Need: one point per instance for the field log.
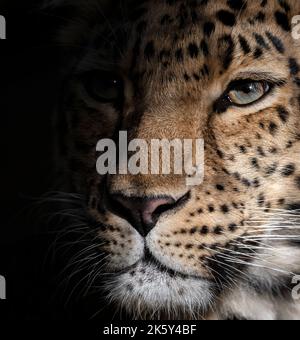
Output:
(29, 71)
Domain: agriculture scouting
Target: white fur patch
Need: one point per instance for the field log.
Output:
(149, 292)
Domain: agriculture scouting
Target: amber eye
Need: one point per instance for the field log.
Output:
(247, 92)
(103, 86)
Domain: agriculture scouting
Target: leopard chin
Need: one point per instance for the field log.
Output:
(151, 291)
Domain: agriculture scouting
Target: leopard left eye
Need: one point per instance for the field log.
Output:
(247, 92)
(103, 86)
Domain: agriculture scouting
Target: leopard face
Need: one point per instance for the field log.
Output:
(227, 72)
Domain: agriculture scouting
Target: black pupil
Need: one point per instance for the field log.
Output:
(106, 84)
(247, 88)
(104, 87)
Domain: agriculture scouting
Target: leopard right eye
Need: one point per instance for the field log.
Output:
(248, 92)
(103, 86)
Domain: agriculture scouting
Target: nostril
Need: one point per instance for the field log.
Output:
(171, 205)
(163, 208)
(152, 209)
(143, 212)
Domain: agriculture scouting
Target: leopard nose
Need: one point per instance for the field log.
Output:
(142, 213)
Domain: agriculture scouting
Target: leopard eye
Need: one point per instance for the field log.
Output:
(247, 92)
(103, 87)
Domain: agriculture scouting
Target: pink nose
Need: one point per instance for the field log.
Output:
(142, 213)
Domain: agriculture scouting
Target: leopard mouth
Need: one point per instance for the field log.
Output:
(149, 260)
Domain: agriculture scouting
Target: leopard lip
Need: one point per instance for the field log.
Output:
(150, 260)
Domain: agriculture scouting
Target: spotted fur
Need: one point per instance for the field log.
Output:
(232, 248)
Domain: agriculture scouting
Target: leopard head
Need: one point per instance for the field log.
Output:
(227, 72)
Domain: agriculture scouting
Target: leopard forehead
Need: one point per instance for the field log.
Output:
(165, 33)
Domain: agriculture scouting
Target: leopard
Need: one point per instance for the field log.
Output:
(225, 71)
